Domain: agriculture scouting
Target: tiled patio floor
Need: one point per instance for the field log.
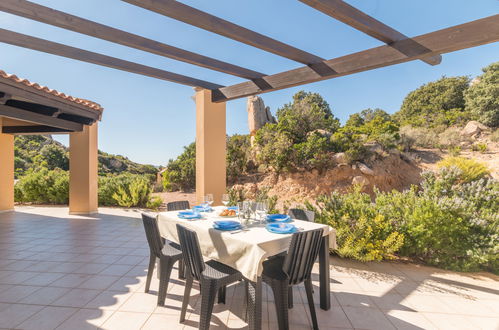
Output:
(70, 272)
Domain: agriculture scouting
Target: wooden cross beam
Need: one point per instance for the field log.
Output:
(63, 20)
(54, 48)
(359, 20)
(471, 34)
(203, 20)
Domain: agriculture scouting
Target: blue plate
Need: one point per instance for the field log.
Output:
(281, 228)
(235, 208)
(226, 225)
(189, 215)
(278, 218)
(202, 208)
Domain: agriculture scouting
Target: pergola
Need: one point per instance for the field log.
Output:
(211, 97)
(28, 108)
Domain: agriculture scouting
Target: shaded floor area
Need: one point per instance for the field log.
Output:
(73, 272)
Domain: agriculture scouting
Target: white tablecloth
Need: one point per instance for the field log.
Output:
(244, 251)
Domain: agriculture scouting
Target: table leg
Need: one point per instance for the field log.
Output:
(255, 304)
(324, 274)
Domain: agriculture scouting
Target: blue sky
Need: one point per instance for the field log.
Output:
(150, 120)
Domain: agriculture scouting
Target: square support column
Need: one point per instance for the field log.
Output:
(83, 171)
(6, 171)
(210, 147)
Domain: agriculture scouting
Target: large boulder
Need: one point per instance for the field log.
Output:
(340, 158)
(365, 169)
(360, 180)
(473, 128)
(258, 114)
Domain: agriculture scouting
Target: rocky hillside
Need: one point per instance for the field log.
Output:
(43, 151)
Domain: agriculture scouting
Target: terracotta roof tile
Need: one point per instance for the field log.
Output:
(26, 82)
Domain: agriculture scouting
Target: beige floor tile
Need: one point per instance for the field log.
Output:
(158, 321)
(470, 307)
(125, 321)
(110, 300)
(17, 292)
(354, 299)
(48, 318)
(409, 320)
(427, 303)
(86, 319)
(484, 323)
(12, 315)
(367, 318)
(128, 284)
(98, 282)
(116, 270)
(392, 301)
(333, 318)
(140, 302)
(71, 280)
(449, 321)
(76, 298)
(44, 296)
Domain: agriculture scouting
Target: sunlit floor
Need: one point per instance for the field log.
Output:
(71, 272)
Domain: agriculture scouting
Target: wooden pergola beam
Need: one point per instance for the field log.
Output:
(67, 21)
(359, 20)
(36, 118)
(471, 34)
(79, 54)
(35, 129)
(203, 20)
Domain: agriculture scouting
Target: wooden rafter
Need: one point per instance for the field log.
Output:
(67, 21)
(36, 118)
(203, 20)
(359, 20)
(471, 34)
(51, 47)
(35, 129)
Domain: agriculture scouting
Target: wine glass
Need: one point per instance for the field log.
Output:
(261, 210)
(225, 199)
(208, 199)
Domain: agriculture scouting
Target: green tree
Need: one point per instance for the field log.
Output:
(482, 98)
(238, 147)
(181, 172)
(55, 156)
(436, 103)
(308, 112)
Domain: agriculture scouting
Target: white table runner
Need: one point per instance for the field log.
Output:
(244, 251)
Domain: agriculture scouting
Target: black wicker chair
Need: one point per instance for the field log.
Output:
(178, 205)
(167, 252)
(304, 215)
(296, 267)
(213, 276)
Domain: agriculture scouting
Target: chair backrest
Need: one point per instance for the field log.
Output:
(152, 233)
(178, 205)
(299, 214)
(302, 254)
(189, 244)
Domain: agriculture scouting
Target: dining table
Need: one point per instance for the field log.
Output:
(246, 249)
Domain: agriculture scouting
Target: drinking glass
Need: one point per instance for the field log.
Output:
(261, 210)
(208, 199)
(225, 199)
(241, 215)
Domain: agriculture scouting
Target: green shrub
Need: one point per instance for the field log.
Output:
(480, 147)
(262, 195)
(43, 186)
(417, 137)
(361, 232)
(181, 172)
(238, 147)
(236, 195)
(436, 103)
(471, 170)
(494, 137)
(455, 151)
(313, 153)
(154, 203)
(127, 190)
(482, 98)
